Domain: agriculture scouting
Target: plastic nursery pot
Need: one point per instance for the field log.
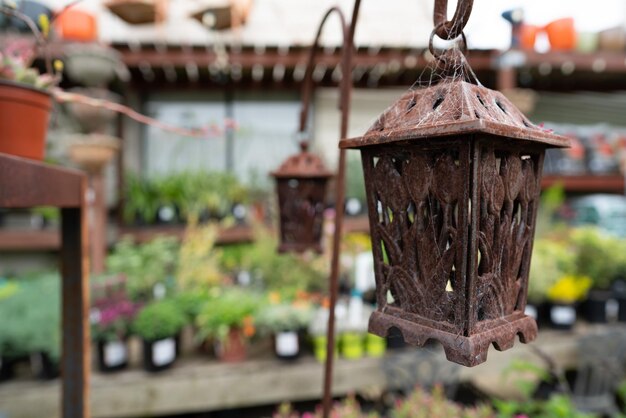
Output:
(233, 348)
(562, 315)
(24, 116)
(351, 344)
(112, 355)
(621, 316)
(375, 346)
(562, 34)
(319, 348)
(160, 354)
(287, 345)
(527, 36)
(599, 307)
(7, 370)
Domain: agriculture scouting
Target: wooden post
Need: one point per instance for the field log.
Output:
(76, 362)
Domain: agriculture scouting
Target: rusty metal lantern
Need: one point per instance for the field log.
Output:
(452, 174)
(301, 183)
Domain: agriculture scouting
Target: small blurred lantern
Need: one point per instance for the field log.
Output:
(452, 174)
(301, 183)
(138, 12)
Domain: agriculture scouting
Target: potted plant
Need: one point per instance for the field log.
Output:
(30, 326)
(111, 323)
(598, 256)
(285, 322)
(141, 201)
(25, 101)
(564, 295)
(229, 321)
(551, 260)
(147, 267)
(159, 324)
(317, 330)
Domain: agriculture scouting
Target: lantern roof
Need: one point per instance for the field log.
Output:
(303, 164)
(452, 107)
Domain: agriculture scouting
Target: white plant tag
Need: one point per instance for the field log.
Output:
(287, 343)
(115, 353)
(164, 352)
(612, 309)
(531, 311)
(563, 315)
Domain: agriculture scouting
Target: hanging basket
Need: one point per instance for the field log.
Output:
(24, 116)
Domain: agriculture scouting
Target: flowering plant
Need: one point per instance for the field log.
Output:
(113, 320)
(17, 54)
(569, 289)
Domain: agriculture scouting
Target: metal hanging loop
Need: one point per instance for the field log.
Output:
(451, 29)
(435, 31)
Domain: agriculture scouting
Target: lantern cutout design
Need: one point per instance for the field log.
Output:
(301, 183)
(452, 174)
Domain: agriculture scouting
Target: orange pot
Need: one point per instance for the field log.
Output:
(562, 34)
(77, 25)
(24, 116)
(233, 349)
(527, 36)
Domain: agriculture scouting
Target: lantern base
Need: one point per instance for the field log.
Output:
(467, 351)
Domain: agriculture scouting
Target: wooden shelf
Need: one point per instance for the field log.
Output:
(198, 384)
(587, 183)
(27, 240)
(233, 235)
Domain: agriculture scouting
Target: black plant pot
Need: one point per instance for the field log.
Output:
(160, 354)
(562, 316)
(621, 301)
(112, 355)
(7, 371)
(598, 307)
(287, 345)
(43, 367)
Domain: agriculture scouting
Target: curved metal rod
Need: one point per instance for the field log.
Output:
(307, 87)
(340, 188)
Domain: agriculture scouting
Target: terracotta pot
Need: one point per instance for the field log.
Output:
(562, 34)
(233, 348)
(77, 25)
(24, 116)
(527, 36)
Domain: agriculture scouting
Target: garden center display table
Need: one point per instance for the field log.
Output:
(25, 184)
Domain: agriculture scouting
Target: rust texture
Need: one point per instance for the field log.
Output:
(452, 174)
(301, 183)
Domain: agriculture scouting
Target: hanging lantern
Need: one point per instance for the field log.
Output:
(301, 186)
(452, 174)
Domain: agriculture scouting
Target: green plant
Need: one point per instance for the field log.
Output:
(141, 200)
(282, 317)
(144, 265)
(287, 273)
(355, 181)
(158, 320)
(191, 302)
(600, 256)
(433, 405)
(31, 317)
(551, 260)
(198, 264)
(229, 308)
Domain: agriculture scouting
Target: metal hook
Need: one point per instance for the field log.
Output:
(451, 29)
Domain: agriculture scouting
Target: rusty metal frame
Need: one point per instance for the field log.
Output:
(24, 184)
